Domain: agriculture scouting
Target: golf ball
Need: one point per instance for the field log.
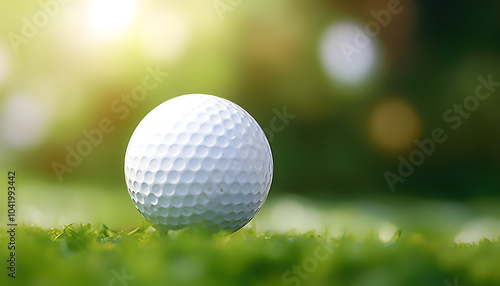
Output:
(198, 160)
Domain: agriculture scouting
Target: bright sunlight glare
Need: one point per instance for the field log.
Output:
(110, 17)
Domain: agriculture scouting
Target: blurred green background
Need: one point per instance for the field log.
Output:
(342, 88)
(359, 80)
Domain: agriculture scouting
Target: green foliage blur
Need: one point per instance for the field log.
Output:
(382, 116)
(67, 66)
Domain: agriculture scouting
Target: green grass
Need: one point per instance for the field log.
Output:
(292, 241)
(96, 255)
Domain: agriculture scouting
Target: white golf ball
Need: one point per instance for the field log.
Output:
(198, 159)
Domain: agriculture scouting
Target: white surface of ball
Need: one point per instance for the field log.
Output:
(198, 160)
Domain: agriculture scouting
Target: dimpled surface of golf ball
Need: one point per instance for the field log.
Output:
(199, 160)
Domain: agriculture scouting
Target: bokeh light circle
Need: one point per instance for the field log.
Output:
(24, 122)
(394, 125)
(348, 53)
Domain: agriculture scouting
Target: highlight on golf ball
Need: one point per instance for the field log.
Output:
(198, 160)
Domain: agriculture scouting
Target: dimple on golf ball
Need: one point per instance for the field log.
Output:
(198, 160)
